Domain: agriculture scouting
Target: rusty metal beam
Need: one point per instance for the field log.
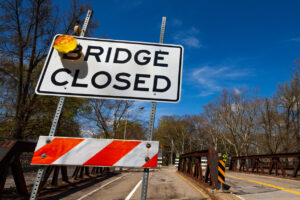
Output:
(271, 162)
(190, 164)
(280, 155)
(10, 151)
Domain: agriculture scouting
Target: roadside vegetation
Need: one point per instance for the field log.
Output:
(239, 122)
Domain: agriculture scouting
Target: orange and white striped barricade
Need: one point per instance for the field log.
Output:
(95, 152)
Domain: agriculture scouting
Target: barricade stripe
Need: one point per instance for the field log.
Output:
(222, 163)
(221, 172)
(136, 157)
(152, 162)
(221, 176)
(221, 167)
(53, 150)
(82, 153)
(220, 180)
(95, 152)
(113, 152)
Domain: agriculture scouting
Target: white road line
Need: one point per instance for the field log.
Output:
(239, 197)
(88, 194)
(133, 191)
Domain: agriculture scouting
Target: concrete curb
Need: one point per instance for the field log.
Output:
(212, 193)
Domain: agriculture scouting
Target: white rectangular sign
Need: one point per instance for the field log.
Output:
(116, 70)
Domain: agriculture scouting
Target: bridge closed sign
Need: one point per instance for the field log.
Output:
(114, 69)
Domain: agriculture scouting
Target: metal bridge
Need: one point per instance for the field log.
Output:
(248, 177)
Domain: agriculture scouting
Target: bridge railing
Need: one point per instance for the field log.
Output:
(191, 164)
(15, 158)
(284, 164)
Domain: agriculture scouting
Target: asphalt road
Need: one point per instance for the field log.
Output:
(256, 187)
(163, 184)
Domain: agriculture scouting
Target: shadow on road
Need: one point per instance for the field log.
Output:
(58, 193)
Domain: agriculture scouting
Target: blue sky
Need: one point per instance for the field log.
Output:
(228, 44)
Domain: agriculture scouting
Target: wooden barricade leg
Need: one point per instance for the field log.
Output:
(81, 172)
(75, 173)
(64, 174)
(87, 171)
(93, 170)
(49, 169)
(55, 176)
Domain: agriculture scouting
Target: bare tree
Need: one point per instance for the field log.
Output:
(289, 108)
(238, 116)
(270, 123)
(27, 29)
(107, 114)
(212, 124)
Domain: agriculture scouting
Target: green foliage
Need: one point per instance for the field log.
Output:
(134, 131)
(180, 134)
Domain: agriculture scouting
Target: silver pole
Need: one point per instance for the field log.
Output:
(152, 119)
(41, 171)
(125, 125)
(172, 152)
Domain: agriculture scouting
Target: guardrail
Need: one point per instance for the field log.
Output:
(285, 164)
(11, 158)
(191, 164)
(10, 151)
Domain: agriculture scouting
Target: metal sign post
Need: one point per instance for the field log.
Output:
(59, 108)
(152, 119)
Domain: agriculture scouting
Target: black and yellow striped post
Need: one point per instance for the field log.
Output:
(221, 171)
